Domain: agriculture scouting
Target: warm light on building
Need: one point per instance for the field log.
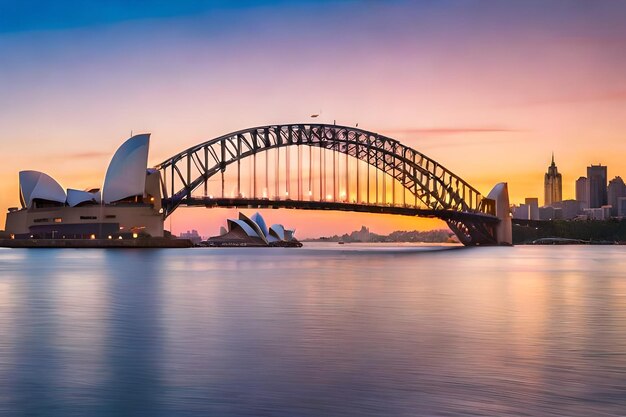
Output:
(49, 211)
(135, 235)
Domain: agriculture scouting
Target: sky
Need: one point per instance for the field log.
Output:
(487, 88)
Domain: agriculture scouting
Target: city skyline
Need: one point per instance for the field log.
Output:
(472, 97)
(579, 188)
(596, 197)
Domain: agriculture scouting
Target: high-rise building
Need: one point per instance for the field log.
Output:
(621, 207)
(553, 185)
(582, 192)
(521, 212)
(596, 179)
(616, 189)
(533, 208)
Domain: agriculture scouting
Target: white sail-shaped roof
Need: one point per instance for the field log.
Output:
(278, 231)
(76, 197)
(258, 219)
(253, 225)
(37, 185)
(234, 223)
(126, 174)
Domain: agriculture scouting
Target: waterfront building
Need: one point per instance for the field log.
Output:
(553, 185)
(253, 231)
(362, 235)
(127, 206)
(596, 180)
(582, 192)
(615, 191)
(533, 208)
(192, 235)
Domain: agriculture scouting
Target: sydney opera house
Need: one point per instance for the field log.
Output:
(253, 231)
(128, 205)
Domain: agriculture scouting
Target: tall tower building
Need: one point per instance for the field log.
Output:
(582, 192)
(596, 178)
(553, 185)
(616, 190)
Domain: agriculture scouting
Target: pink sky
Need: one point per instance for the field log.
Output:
(487, 91)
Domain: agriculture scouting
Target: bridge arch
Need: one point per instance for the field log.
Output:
(441, 193)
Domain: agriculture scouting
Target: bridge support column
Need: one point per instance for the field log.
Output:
(477, 233)
(504, 229)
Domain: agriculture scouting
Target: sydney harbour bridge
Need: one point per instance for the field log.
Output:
(331, 167)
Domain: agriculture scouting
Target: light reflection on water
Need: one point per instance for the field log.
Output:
(321, 330)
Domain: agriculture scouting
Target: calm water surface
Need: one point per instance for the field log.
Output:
(318, 331)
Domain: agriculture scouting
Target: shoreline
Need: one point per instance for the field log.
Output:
(140, 243)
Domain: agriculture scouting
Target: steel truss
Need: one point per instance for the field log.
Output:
(428, 181)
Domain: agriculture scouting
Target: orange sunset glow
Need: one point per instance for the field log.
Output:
(489, 92)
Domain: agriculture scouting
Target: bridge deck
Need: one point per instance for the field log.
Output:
(338, 206)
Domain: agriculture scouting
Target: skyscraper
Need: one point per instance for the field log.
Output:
(596, 178)
(582, 192)
(533, 208)
(553, 185)
(616, 190)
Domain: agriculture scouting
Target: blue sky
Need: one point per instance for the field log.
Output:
(25, 15)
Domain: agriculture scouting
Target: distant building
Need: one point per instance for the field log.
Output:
(253, 231)
(553, 185)
(616, 190)
(598, 213)
(192, 235)
(533, 208)
(569, 208)
(596, 178)
(621, 207)
(362, 235)
(594, 213)
(521, 212)
(550, 213)
(582, 192)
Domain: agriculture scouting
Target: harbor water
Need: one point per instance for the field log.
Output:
(324, 330)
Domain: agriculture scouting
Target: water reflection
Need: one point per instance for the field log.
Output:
(315, 331)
